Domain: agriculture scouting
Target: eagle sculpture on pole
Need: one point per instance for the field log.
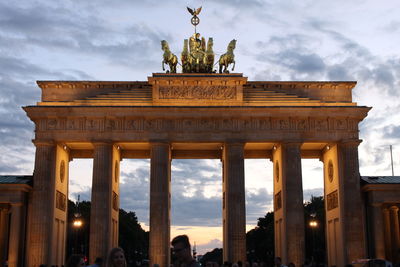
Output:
(194, 12)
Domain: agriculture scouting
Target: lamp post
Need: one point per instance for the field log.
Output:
(313, 223)
(77, 223)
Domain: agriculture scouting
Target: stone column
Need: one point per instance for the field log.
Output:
(352, 215)
(378, 231)
(395, 228)
(234, 206)
(160, 204)
(3, 234)
(42, 206)
(288, 203)
(14, 247)
(105, 203)
(387, 234)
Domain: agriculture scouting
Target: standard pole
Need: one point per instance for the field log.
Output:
(391, 159)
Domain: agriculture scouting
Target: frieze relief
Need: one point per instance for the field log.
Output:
(93, 124)
(140, 124)
(217, 92)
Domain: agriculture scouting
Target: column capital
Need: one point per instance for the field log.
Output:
(102, 143)
(43, 142)
(16, 204)
(350, 142)
(290, 143)
(376, 204)
(160, 143)
(385, 210)
(394, 208)
(234, 143)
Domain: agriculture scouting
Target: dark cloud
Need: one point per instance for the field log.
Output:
(339, 72)
(292, 54)
(391, 132)
(60, 29)
(258, 202)
(135, 189)
(315, 192)
(5, 168)
(301, 63)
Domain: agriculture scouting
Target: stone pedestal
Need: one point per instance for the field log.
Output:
(234, 205)
(160, 204)
(105, 200)
(288, 204)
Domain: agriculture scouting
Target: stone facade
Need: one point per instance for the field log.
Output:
(196, 116)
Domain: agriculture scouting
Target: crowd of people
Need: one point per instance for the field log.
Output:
(182, 252)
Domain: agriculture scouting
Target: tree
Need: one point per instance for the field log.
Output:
(213, 256)
(314, 210)
(132, 238)
(260, 240)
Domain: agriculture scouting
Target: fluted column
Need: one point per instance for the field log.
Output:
(394, 218)
(3, 233)
(378, 231)
(288, 203)
(160, 204)
(387, 233)
(105, 200)
(234, 206)
(15, 247)
(42, 208)
(352, 217)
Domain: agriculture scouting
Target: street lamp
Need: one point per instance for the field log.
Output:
(313, 223)
(77, 223)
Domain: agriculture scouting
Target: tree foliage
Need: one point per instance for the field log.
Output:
(315, 236)
(260, 240)
(132, 238)
(213, 256)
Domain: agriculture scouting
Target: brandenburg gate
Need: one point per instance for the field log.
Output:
(197, 115)
(194, 115)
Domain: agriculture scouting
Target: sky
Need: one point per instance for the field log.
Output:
(308, 40)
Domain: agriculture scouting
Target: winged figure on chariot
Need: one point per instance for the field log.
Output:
(198, 56)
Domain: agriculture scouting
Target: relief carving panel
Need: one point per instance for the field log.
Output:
(228, 124)
(61, 201)
(332, 200)
(219, 92)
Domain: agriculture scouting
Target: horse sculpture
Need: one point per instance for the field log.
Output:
(185, 58)
(209, 57)
(228, 58)
(168, 57)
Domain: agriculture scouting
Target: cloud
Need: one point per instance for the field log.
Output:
(391, 132)
(258, 203)
(210, 245)
(315, 192)
(59, 29)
